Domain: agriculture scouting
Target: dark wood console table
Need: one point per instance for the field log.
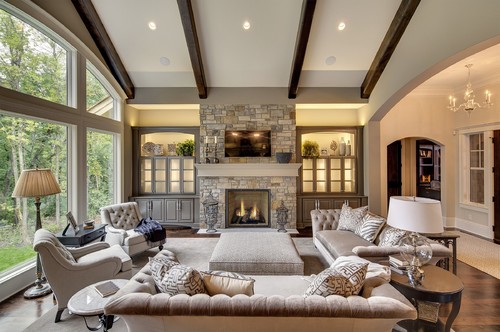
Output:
(83, 237)
(447, 239)
(438, 286)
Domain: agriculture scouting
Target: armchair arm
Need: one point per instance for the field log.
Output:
(87, 249)
(375, 251)
(115, 235)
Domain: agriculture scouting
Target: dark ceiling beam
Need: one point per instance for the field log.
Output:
(188, 23)
(96, 29)
(398, 26)
(306, 18)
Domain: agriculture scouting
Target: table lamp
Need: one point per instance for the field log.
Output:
(36, 183)
(416, 215)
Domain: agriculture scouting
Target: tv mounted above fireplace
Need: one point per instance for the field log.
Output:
(247, 143)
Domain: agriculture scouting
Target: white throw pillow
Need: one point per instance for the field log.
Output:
(390, 236)
(370, 227)
(350, 219)
(182, 279)
(229, 283)
(343, 280)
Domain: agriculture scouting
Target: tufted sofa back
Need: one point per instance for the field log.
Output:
(121, 216)
(325, 219)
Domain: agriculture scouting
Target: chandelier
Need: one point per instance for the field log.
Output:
(469, 103)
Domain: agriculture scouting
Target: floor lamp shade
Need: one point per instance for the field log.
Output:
(37, 183)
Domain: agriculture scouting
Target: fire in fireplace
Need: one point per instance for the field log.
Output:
(247, 208)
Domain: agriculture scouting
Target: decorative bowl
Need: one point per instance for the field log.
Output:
(283, 157)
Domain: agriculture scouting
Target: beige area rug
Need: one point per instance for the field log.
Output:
(481, 254)
(194, 252)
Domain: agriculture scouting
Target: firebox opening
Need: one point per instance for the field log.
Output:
(247, 208)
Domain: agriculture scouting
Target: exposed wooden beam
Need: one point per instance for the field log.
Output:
(398, 26)
(96, 29)
(188, 23)
(299, 54)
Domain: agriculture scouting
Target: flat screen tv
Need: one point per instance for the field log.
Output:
(247, 143)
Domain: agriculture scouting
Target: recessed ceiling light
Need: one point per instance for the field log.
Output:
(164, 61)
(330, 60)
(341, 26)
(152, 25)
(246, 25)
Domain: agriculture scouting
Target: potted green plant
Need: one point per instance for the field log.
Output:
(185, 148)
(310, 149)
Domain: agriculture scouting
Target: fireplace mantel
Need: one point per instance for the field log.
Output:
(247, 169)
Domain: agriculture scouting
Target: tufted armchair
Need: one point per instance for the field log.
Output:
(122, 219)
(70, 269)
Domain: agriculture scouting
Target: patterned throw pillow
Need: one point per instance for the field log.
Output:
(344, 280)
(159, 267)
(182, 279)
(350, 219)
(371, 226)
(229, 283)
(390, 236)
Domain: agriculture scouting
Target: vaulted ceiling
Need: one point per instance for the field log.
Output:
(290, 43)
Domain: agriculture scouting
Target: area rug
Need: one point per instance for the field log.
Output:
(194, 252)
(480, 254)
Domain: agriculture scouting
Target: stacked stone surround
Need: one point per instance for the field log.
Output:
(280, 120)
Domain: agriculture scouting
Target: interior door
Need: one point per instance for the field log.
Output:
(496, 186)
(394, 170)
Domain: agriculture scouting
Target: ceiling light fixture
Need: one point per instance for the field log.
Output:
(152, 25)
(341, 26)
(469, 103)
(246, 25)
(330, 60)
(164, 61)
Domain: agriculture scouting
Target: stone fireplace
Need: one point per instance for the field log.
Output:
(247, 208)
(248, 173)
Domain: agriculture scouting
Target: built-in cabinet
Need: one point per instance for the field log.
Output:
(165, 184)
(428, 169)
(334, 175)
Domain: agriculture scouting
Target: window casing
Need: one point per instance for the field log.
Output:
(65, 111)
(473, 169)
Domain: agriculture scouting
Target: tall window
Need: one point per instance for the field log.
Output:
(100, 172)
(31, 62)
(99, 100)
(476, 168)
(27, 144)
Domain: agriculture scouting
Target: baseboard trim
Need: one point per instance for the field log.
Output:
(472, 228)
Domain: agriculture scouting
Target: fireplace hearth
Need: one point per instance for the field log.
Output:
(247, 208)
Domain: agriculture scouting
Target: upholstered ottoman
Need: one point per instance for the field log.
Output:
(257, 253)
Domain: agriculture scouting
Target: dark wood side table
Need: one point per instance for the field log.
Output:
(447, 239)
(83, 237)
(439, 286)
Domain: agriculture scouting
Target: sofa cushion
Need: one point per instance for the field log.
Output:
(159, 266)
(344, 279)
(370, 227)
(182, 279)
(390, 236)
(229, 283)
(350, 219)
(340, 243)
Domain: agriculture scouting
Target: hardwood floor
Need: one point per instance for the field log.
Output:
(480, 310)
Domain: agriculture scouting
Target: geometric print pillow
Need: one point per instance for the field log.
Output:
(182, 279)
(351, 219)
(390, 236)
(159, 267)
(345, 280)
(371, 226)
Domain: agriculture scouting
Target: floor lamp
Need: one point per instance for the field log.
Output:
(37, 183)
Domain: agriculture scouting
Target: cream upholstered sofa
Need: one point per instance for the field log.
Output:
(333, 243)
(278, 305)
(70, 269)
(122, 219)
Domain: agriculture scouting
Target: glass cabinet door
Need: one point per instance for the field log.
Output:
(146, 175)
(308, 175)
(188, 177)
(175, 175)
(160, 171)
(349, 175)
(336, 175)
(321, 175)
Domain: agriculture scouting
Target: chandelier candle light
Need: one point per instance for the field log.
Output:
(36, 183)
(469, 103)
(416, 215)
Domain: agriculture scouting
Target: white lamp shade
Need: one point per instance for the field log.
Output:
(415, 214)
(36, 183)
